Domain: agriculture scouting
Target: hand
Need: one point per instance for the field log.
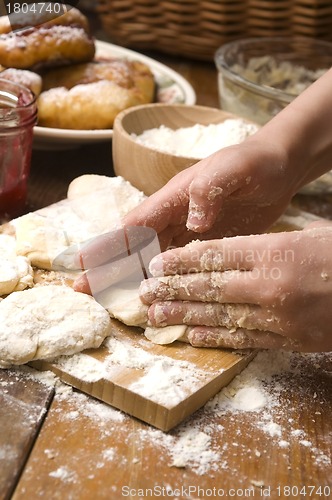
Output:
(266, 291)
(241, 189)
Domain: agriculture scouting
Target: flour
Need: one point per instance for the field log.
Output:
(255, 402)
(198, 141)
(64, 474)
(164, 380)
(168, 381)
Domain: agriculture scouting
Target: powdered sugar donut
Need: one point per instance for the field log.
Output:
(46, 46)
(42, 16)
(87, 106)
(24, 77)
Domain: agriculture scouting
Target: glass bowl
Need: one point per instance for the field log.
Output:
(258, 77)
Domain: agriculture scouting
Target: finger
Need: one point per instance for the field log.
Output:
(229, 286)
(240, 339)
(231, 316)
(207, 192)
(318, 224)
(167, 207)
(100, 249)
(215, 255)
(94, 281)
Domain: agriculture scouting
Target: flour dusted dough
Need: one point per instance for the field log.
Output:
(95, 205)
(39, 240)
(49, 321)
(166, 335)
(125, 305)
(15, 271)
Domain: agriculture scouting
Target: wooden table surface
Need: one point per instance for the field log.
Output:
(62, 444)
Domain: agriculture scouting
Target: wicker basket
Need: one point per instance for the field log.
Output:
(196, 28)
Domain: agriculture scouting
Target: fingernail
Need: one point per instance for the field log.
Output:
(157, 315)
(147, 290)
(156, 266)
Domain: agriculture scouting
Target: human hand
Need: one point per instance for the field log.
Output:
(263, 291)
(241, 189)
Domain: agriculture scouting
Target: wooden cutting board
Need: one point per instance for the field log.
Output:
(203, 372)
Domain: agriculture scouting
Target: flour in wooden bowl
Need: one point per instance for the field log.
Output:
(198, 141)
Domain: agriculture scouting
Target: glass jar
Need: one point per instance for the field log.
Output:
(18, 115)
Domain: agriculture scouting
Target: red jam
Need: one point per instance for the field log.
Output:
(18, 114)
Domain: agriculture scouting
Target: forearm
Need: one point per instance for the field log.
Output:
(304, 130)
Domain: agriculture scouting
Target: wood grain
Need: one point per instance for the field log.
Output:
(81, 454)
(217, 367)
(23, 406)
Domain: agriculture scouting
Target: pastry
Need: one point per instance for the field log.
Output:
(24, 77)
(132, 75)
(38, 16)
(86, 106)
(46, 46)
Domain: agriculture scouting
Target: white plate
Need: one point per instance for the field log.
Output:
(171, 88)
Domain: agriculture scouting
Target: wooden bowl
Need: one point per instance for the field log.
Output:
(146, 168)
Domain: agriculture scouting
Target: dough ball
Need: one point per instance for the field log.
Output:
(50, 321)
(15, 271)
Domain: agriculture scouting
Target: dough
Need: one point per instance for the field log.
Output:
(39, 240)
(92, 195)
(125, 305)
(44, 235)
(15, 271)
(52, 231)
(166, 335)
(49, 321)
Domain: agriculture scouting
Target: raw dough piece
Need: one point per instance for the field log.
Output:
(49, 321)
(39, 240)
(166, 335)
(92, 195)
(15, 271)
(125, 305)
(95, 205)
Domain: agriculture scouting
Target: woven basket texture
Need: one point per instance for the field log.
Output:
(196, 28)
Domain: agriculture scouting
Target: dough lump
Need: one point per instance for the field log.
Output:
(49, 321)
(42, 236)
(15, 271)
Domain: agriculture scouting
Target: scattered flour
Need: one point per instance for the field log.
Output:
(198, 141)
(64, 474)
(256, 398)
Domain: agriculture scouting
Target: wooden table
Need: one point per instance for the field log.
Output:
(68, 446)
